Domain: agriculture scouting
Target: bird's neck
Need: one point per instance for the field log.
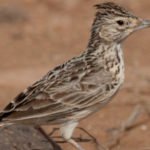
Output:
(96, 41)
(98, 46)
(109, 55)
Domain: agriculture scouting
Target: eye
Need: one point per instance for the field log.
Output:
(120, 22)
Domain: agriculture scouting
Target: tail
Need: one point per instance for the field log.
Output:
(5, 124)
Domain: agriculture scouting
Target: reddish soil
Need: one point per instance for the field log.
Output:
(38, 35)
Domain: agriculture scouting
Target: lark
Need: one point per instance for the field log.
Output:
(82, 85)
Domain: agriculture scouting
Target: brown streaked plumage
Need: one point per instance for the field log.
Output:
(82, 85)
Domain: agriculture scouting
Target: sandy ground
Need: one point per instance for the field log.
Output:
(37, 35)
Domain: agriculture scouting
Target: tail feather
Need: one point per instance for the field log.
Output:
(4, 124)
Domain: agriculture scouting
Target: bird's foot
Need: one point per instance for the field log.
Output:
(90, 138)
(77, 139)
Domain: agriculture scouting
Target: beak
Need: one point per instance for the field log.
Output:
(143, 24)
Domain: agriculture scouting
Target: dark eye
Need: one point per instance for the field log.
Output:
(120, 22)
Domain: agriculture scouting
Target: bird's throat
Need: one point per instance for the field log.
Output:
(110, 56)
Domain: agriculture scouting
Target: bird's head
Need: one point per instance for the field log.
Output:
(114, 23)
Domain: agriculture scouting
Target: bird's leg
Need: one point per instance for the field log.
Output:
(67, 131)
(77, 139)
(75, 144)
(57, 147)
(74, 140)
(56, 137)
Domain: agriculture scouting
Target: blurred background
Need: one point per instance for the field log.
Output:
(36, 35)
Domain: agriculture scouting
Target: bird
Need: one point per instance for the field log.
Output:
(82, 85)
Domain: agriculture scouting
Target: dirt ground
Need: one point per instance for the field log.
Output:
(36, 35)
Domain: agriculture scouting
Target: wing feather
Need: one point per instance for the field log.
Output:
(56, 94)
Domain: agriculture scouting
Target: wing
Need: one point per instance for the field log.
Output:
(62, 93)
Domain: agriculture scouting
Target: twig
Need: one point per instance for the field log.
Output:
(126, 126)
